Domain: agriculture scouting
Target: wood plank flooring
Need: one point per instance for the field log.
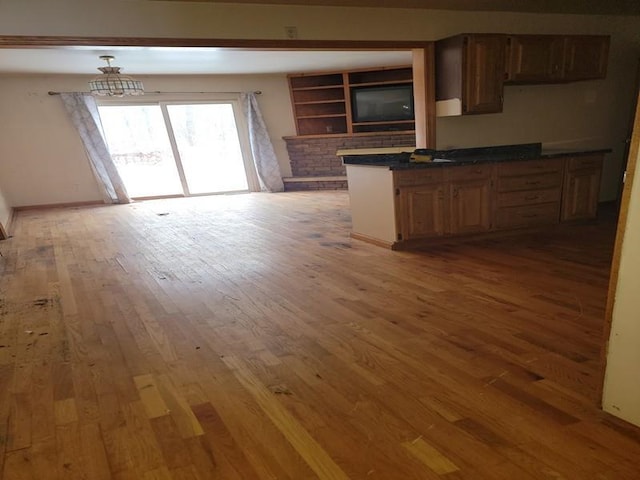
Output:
(247, 337)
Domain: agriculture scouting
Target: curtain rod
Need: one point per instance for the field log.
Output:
(157, 92)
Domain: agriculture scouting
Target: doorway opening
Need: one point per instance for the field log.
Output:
(169, 149)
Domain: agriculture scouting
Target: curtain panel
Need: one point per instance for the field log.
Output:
(264, 157)
(83, 111)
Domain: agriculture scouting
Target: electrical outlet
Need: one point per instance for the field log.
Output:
(291, 32)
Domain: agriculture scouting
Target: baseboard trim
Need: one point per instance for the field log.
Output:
(329, 178)
(371, 240)
(89, 203)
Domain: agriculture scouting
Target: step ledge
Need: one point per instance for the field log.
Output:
(337, 178)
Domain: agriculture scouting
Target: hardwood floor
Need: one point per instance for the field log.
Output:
(247, 337)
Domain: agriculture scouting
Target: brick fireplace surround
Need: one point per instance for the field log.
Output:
(315, 166)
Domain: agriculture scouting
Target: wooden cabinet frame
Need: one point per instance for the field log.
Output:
(581, 188)
(493, 197)
(472, 69)
(455, 201)
(322, 101)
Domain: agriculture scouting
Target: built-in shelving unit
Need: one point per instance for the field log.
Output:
(322, 101)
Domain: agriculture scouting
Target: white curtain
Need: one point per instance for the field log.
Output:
(264, 156)
(83, 110)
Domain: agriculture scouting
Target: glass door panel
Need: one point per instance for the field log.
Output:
(140, 147)
(207, 141)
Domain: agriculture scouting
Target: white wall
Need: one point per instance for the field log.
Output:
(43, 158)
(588, 114)
(622, 380)
(580, 115)
(147, 18)
(621, 395)
(5, 211)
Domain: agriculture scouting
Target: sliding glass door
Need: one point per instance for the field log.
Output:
(207, 141)
(176, 148)
(141, 150)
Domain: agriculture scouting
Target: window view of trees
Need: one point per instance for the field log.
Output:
(206, 138)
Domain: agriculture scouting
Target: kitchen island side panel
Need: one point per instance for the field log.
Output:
(372, 202)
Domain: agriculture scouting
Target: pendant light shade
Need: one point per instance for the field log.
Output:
(112, 83)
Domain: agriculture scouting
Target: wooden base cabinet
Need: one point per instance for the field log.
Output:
(470, 194)
(529, 193)
(405, 208)
(581, 188)
(421, 212)
(455, 203)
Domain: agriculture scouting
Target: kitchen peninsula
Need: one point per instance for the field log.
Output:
(399, 204)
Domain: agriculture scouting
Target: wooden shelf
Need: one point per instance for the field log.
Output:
(316, 102)
(323, 116)
(316, 80)
(322, 87)
(388, 122)
(385, 75)
(322, 101)
(372, 84)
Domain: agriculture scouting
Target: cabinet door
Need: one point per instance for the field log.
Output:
(586, 57)
(484, 73)
(535, 58)
(470, 206)
(581, 193)
(421, 211)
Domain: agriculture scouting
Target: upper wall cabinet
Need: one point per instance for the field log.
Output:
(470, 74)
(534, 58)
(585, 57)
(483, 74)
(471, 70)
(556, 58)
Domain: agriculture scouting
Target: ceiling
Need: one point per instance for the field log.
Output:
(220, 61)
(190, 60)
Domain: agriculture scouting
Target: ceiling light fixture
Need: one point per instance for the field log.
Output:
(112, 83)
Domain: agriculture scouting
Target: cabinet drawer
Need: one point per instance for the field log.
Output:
(405, 178)
(529, 167)
(528, 197)
(527, 216)
(530, 182)
(470, 172)
(579, 163)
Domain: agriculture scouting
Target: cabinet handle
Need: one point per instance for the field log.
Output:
(530, 215)
(531, 197)
(532, 183)
(455, 192)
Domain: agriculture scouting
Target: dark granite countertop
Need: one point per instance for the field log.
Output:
(465, 156)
